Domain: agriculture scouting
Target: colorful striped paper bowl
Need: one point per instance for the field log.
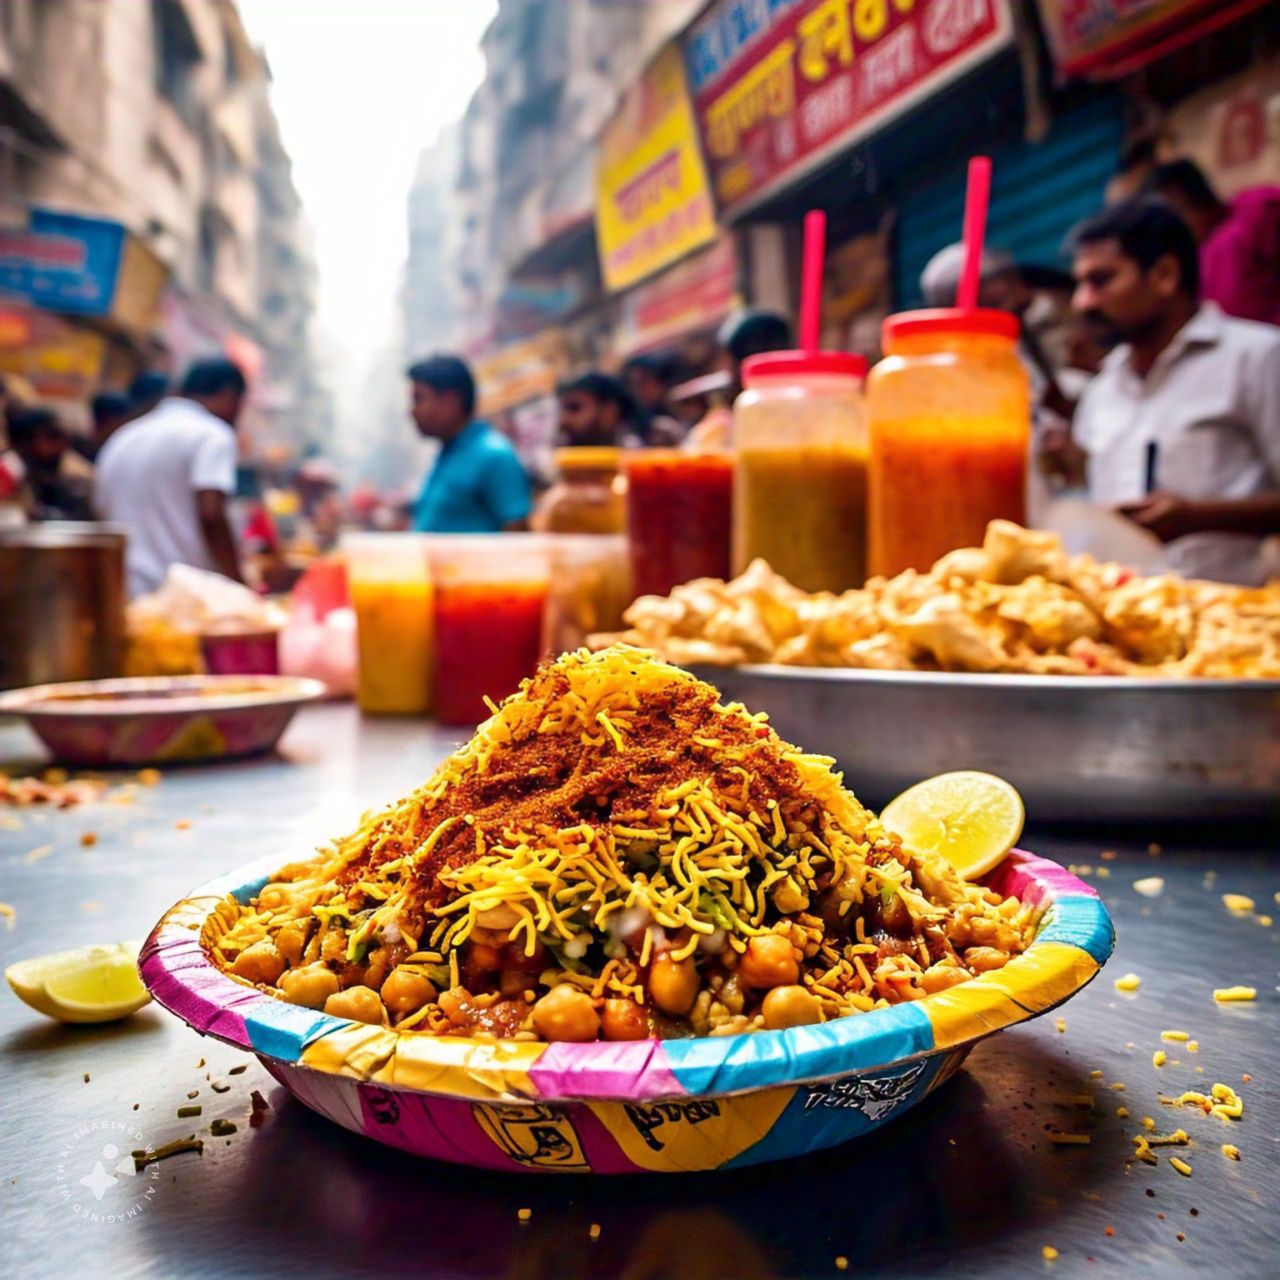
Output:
(665, 1106)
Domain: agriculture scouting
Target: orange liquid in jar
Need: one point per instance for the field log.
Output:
(393, 636)
(937, 485)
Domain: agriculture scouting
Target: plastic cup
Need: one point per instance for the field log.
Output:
(389, 577)
(490, 594)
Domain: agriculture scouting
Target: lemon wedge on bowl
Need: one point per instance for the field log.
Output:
(89, 984)
(970, 819)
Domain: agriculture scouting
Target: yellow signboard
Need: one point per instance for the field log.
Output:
(653, 202)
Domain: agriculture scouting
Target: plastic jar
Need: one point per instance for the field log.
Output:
(950, 413)
(679, 512)
(589, 496)
(490, 593)
(800, 485)
(590, 588)
(389, 579)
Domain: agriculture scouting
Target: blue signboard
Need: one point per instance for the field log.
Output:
(63, 262)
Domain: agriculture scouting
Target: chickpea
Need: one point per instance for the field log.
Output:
(673, 984)
(309, 986)
(769, 961)
(624, 1020)
(360, 1004)
(790, 1006)
(484, 958)
(406, 992)
(566, 1013)
(261, 962)
(290, 939)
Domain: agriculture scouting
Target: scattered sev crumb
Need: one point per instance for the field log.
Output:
(1130, 982)
(143, 1158)
(1118, 1087)
(1095, 1075)
(1232, 995)
(1232, 1153)
(32, 856)
(1148, 1122)
(1049, 1253)
(1265, 921)
(1178, 1138)
(1181, 1165)
(182, 824)
(1244, 1079)
(236, 1070)
(1122, 1112)
(88, 838)
(1174, 1035)
(86, 1077)
(1193, 1046)
(1108, 855)
(185, 1113)
(524, 1214)
(1159, 1058)
(193, 1093)
(1222, 1101)
(219, 1086)
(1149, 886)
(1237, 902)
(199, 1064)
(222, 1128)
(1104, 873)
(1061, 1024)
(593, 1232)
(842, 1263)
(149, 777)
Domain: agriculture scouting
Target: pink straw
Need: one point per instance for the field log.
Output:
(815, 238)
(977, 197)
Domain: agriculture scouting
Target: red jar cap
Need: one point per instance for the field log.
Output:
(773, 364)
(919, 324)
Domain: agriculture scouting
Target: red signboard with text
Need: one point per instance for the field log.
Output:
(780, 86)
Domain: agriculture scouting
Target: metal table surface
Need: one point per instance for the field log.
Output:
(966, 1184)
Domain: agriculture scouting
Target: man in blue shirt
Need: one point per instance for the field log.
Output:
(478, 484)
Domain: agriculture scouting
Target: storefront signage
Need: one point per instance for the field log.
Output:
(59, 359)
(520, 373)
(1114, 37)
(780, 86)
(692, 296)
(653, 204)
(63, 262)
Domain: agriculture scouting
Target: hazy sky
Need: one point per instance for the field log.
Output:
(360, 86)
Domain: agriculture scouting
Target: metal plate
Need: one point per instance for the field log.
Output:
(1139, 750)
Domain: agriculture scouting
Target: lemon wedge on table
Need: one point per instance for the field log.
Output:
(970, 819)
(89, 984)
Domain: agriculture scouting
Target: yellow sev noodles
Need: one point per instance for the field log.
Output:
(614, 830)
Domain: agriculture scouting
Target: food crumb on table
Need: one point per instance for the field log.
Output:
(842, 1263)
(221, 1128)
(1130, 982)
(1181, 1165)
(1149, 886)
(1175, 1035)
(88, 838)
(182, 824)
(1237, 902)
(185, 1113)
(524, 1214)
(593, 1231)
(1049, 1253)
(1230, 1151)
(1061, 1024)
(1159, 1058)
(1233, 995)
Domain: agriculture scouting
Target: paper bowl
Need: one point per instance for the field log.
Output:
(666, 1106)
(160, 719)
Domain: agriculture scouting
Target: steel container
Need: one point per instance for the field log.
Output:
(62, 603)
(1078, 748)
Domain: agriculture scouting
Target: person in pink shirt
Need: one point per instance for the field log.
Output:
(1239, 239)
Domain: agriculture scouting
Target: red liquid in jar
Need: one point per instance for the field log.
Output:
(488, 638)
(679, 517)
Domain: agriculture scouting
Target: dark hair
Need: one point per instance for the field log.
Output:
(1146, 230)
(447, 373)
(147, 388)
(604, 388)
(1137, 153)
(663, 367)
(1185, 178)
(109, 404)
(213, 376)
(751, 333)
(26, 424)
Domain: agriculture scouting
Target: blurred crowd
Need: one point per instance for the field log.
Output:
(1154, 366)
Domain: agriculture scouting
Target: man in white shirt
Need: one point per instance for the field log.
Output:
(1181, 427)
(167, 476)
